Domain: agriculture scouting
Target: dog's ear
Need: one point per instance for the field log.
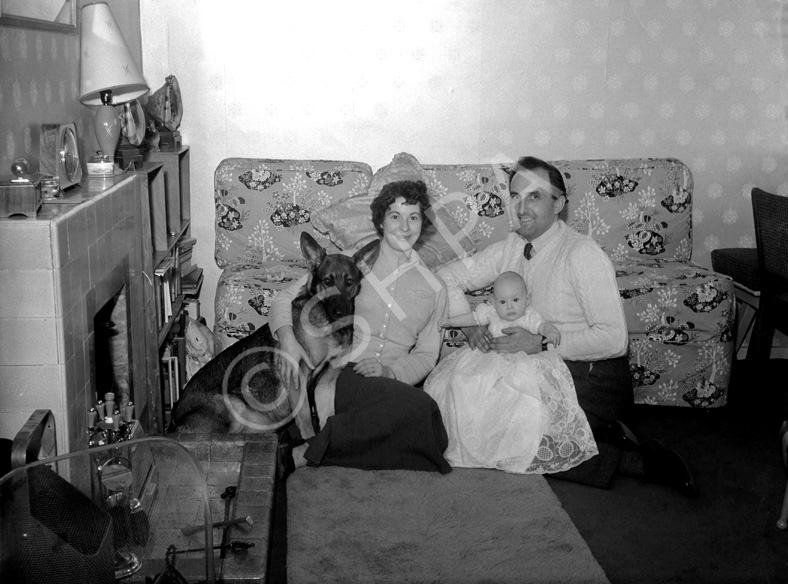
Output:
(313, 252)
(366, 256)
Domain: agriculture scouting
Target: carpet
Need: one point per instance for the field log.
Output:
(471, 525)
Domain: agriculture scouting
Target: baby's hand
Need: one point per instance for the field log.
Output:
(443, 323)
(551, 333)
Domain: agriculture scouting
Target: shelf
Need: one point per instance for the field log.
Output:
(156, 204)
(170, 224)
(159, 255)
(164, 332)
(176, 191)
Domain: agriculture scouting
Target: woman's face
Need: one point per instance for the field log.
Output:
(402, 225)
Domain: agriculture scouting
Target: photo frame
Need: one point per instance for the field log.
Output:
(53, 15)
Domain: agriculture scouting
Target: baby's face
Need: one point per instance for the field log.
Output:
(509, 299)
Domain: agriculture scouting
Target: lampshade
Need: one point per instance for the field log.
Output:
(106, 62)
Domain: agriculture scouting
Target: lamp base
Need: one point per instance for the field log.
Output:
(107, 128)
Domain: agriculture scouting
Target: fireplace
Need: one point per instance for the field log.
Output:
(70, 265)
(112, 343)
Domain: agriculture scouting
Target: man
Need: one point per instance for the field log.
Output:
(571, 282)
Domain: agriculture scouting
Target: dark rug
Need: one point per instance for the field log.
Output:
(651, 535)
(471, 525)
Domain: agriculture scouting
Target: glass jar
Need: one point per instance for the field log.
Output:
(50, 188)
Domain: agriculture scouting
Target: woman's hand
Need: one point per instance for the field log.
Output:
(372, 368)
(515, 340)
(288, 369)
(478, 337)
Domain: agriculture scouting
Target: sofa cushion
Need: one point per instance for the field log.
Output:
(636, 208)
(243, 297)
(263, 205)
(349, 223)
(476, 195)
(680, 319)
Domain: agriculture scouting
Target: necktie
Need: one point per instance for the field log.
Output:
(528, 252)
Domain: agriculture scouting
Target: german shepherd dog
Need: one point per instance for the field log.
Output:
(240, 390)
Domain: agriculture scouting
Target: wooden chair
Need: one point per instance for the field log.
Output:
(741, 264)
(770, 213)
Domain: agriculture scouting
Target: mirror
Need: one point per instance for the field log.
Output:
(56, 15)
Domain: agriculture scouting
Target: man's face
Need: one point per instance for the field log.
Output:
(534, 202)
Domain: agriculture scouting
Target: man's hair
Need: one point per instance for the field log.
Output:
(414, 193)
(555, 176)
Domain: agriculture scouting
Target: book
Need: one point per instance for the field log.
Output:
(191, 282)
(167, 288)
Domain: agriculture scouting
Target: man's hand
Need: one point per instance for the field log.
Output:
(517, 340)
(478, 337)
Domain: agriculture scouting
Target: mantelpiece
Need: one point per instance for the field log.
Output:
(56, 271)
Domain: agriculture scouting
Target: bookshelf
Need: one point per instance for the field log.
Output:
(175, 280)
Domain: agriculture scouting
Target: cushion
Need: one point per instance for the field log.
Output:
(243, 297)
(639, 209)
(477, 196)
(349, 222)
(681, 319)
(263, 205)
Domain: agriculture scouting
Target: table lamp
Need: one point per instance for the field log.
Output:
(108, 75)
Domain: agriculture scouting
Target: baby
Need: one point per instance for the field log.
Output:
(508, 310)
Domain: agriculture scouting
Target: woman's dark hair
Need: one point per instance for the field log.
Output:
(414, 193)
(555, 176)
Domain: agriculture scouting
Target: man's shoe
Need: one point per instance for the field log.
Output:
(617, 434)
(285, 466)
(666, 467)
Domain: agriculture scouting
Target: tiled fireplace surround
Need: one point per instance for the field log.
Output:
(56, 271)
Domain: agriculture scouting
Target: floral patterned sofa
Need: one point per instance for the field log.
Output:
(680, 315)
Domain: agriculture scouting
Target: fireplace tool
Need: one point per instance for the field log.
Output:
(113, 482)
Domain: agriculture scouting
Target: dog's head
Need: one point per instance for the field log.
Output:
(335, 279)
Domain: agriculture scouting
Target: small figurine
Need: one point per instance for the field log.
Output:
(199, 346)
(152, 137)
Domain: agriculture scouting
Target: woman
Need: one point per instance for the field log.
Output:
(380, 420)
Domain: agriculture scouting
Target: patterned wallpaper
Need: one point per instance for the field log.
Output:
(39, 84)
(700, 80)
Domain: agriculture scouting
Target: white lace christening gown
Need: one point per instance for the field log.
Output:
(518, 413)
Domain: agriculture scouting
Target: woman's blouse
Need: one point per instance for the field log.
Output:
(396, 317)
